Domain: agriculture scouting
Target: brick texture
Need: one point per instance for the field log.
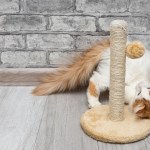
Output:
(61, 58)
(48, 33)
(11, 23)
(72, 23)
(47, 6)
(24, 59)
(49, 41)
(98, 6)
(12, 42)
(139, 6)
(9, 6)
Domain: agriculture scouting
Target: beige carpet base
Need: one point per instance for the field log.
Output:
(96, 123)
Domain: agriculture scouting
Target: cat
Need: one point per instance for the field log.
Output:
(92, 68)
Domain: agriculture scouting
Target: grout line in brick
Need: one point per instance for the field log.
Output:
(47, 58)
(19, 6)
(97, 24)
(126, 14)
(74, 6)
(129, 3)
(74, 42)
(25, 38)
(47, 23)
(54, 32)
(0, 58)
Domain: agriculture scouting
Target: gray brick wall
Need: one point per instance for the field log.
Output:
(47, 33)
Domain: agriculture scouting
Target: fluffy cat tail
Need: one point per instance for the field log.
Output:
(74, 75)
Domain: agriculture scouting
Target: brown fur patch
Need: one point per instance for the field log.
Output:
(92, 89)
(144, 112)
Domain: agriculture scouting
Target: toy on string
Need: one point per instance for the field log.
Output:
(114, 123)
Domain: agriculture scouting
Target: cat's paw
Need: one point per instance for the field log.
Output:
(135, 49)
(94, 104)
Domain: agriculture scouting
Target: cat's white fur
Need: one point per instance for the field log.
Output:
(137, 78)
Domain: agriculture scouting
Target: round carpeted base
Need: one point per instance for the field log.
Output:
(96, 123)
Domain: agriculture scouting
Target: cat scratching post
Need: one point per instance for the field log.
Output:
(115, 123)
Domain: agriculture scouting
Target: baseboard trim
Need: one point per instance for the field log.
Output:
(22, 76)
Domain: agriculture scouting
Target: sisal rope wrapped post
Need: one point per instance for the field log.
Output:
(118, 39)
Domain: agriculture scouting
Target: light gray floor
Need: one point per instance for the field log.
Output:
(48, 122)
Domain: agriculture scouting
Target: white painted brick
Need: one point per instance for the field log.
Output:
(139, 6)
(47, 6)
(10, 23)
(72, 23)
(48, 41)
(101, 6)
(23, 59)
(9, 6)
(12, 42)
(62, 58)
